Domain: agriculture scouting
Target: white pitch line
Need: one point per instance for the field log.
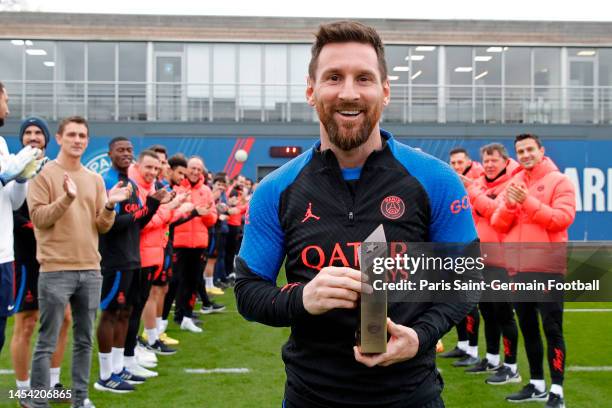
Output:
(588, 310)
(4, 371)
(217, 370)
(583, 368)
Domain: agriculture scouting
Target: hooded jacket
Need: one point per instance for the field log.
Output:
(543, 218)
(194, 233)
(154, 235)
(474, 170)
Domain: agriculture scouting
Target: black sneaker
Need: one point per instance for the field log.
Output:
(484, 367)
(130, 378)
(141, 341)
(59, 387)
(160, 348)
(466, 361)
(555, 401)
(504, 376)
(454, 353)
(212, 308)
(528, 393)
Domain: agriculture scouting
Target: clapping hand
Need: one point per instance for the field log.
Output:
(119, 193)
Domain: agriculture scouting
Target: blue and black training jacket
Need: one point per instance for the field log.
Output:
(120, 246)
(315, 214)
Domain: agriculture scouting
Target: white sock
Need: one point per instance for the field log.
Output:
(493, 359)
(209, 281)
(54, 375)
(539, 384)
(151, 336)
(512, 367)
(463, 345)
(473, 351)
(117, 358)
(557, 389)
(160, 325)
(106, 365)
(129, 361)
(164, 325)
(23, 385)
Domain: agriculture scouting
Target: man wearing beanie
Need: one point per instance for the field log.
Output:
(33, 132)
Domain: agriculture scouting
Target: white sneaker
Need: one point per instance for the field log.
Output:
(145, 358)
(140, 371)
(86, 404)
(189, 325)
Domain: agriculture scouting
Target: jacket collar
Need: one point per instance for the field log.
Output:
(134, 174)
(186, 183)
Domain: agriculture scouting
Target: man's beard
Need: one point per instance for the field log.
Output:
(354, 135)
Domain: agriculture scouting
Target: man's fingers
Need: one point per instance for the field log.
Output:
(369, 360)
(348, 272)
(330, 304)
(392, 328)
(347, 283)
(339, 293)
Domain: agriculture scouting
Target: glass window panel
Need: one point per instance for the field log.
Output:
(424, 65)
(399, 77)
(133, 62)
(11, 60)
(518, 66)
(101, 67)
(224, 80)
(547, 80)
(299, 57)
(517, 73)
(424, 80)
(546, 65)
(605, 81)
(487, 78)
(71, 74)
(249, 79)
(101, 61)
(132, 69)
(459, 78)
(605, 66)
(276, 84)
(40, 61)
(40, 66)
(198, 81)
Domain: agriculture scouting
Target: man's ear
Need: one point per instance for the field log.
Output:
(310, 91)
(386, 92)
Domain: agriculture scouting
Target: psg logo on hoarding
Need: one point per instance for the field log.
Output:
(100, 163)
(392, 207)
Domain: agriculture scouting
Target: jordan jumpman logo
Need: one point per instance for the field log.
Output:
(309, 214)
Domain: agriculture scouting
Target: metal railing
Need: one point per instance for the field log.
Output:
(139, 101)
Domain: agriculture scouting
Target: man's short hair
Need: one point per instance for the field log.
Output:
(344, 32)
(117, 139)
(178, 160)
(524, 136)
(149, 153)
(72, 119)
(219, 179)
(459, 150)
(159, 149)
(494, 147)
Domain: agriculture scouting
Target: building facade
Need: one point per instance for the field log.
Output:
(210, 85)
